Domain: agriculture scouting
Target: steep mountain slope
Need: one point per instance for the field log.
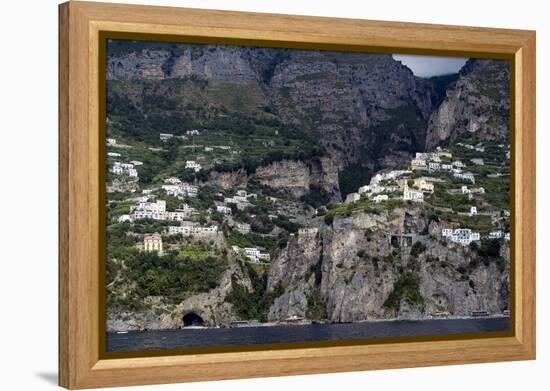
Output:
(301, 129)
(366, 111)
(477, 105)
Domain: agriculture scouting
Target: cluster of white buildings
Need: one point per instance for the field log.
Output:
(463, 236)
(375, 186)
(124, 168)
(180, 189)
(157, 211)
(188, 229)
(193, 165)
(241, 199)
(431, 160)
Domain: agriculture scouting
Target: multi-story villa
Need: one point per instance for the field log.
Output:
(188, 230)
(255, 255)
(412, 195)
(153, 243)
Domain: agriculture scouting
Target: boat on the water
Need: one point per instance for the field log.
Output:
(294, 319)
(478, 314)
(245, 323)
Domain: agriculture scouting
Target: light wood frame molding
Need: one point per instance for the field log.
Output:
(80, 24)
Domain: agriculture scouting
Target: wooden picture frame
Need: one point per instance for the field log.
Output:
(81, 24)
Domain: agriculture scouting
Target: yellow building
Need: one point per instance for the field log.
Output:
(423, 185)
(153, 243)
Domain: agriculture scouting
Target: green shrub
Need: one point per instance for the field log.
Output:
(407, 288)
(417, 249)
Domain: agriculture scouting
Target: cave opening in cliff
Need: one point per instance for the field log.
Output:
(192, 319)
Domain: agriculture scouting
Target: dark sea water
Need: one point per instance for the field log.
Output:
(194, 338)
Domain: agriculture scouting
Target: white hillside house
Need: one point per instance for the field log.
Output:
(165, 136)
(124, 168)
(255, 255)
(496, 234)
(419, 164)
(193, 165)
(172, 181)
(412, 195)
(379, 198)
(225, 210)
(465, 176)
(243, 228)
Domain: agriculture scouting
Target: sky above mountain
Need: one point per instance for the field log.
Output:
(427, 66)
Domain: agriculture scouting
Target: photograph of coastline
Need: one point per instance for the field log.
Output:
(268, 195)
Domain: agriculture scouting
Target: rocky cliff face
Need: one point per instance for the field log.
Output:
(363, 268)
(477, 104)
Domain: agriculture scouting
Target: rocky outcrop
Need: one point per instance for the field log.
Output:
(210, 306)
(228, 180)
(290, 175)
(478, 104)
(352, 268)
(294, 177)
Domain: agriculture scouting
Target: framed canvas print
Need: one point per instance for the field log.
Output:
(247, 195)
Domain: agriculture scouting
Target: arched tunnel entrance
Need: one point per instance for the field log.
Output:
(192, 319)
